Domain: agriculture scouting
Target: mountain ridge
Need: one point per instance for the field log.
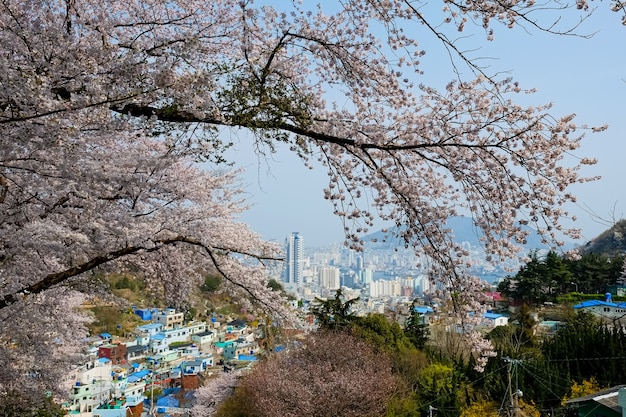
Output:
(610, 242)
(464, 230)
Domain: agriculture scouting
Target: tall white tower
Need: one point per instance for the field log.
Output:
(295, 259)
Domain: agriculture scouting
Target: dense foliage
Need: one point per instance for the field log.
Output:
(586, 349)
(544, 278)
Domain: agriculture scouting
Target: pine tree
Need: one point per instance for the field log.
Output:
(416, 328)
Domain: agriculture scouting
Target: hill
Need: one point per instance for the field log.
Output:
(610, 243)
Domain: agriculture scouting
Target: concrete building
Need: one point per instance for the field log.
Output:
(294, 265)
(169, 318)
(329, 277)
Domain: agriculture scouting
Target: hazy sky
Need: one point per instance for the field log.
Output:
(582, 76)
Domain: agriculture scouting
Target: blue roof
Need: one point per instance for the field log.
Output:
(423, 309)
(105, 335)
(158, 336)
(104, 360)
(138, 375)
(168, 401)
(594, 303)
(492, 316)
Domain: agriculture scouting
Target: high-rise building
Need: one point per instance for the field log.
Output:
(329, 277)
(294, 264)
(367, 276)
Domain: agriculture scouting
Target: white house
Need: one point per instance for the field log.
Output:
(150, 329)
(204, 338)
(92, 385)
(159, 343)
(495, 319)
(179, 334)
(603, 309)
(197, 327)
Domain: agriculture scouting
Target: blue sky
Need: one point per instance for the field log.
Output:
(578, 75)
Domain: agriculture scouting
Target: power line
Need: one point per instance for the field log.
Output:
(557, 376)
(542, 381)
(443, 411)
(585, 359)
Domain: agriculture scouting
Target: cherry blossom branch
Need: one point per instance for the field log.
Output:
(181, 116)
(53, 279)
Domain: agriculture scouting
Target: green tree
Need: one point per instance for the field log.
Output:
(437, 386)
(334, 313)
(582, 346)
(527, 325)
(586, 387)
(379, 331)
(191, 313)
(481, 409)
(125, 283)
(275, 285)
(389, 337)
(409, 364)
(403, 406)
(416, 328)
(211, 283)
(541, 279)
(594, 272)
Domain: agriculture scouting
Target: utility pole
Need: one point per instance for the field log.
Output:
(514, 410)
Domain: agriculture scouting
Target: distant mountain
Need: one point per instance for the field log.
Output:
(464, 231)
(611, 242)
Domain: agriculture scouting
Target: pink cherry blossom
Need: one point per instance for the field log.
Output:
(114, 116)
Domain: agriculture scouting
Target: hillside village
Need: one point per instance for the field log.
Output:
(151, 369)
(154, 370)
(143, 372)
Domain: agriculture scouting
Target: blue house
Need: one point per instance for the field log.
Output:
(144, 313)
(426, 313)
(604, 309)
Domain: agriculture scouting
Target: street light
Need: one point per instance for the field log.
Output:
(573, 283)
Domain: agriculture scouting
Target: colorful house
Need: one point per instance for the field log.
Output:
(116, 353)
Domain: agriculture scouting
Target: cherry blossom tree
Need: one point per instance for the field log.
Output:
(108, 109)
(329, 373)
(213, 393)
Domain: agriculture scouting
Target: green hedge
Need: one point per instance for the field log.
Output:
(575, 297)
